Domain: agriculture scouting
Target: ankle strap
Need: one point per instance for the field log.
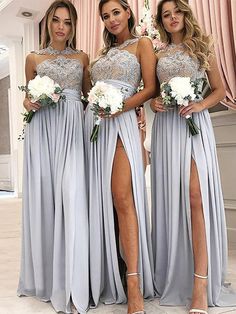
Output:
(200, 276)
(198, 311)
(133, 274)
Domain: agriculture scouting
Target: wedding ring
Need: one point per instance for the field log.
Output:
(33, 110)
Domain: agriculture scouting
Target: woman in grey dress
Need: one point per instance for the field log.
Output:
(54, 264)
(189, 230)
(116, 174)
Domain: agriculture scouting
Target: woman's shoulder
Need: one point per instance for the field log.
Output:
(31, 58)
(82, 56)
(38, 52)
(144, 41)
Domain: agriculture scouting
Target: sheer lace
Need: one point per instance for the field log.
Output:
(118, 64)
(65, 71)
(174, 61)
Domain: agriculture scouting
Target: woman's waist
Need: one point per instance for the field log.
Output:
(71, 94)
(126, 89)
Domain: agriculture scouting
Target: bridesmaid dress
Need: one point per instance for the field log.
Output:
(121, 69)
(54, 265)
(172, 150)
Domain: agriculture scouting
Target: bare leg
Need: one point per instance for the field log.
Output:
(199, 295)
(128, 225)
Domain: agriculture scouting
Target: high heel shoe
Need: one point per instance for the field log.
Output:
(199, 310)
(137, 312)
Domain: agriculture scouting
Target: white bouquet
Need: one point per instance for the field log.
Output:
(106, 100)
(44, 91)
(178, 92)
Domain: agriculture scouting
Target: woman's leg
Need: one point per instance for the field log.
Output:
(128, 224)
(199, 295)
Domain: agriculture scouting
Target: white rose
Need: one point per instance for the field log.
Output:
(181, 86)
(107, 96)
(92, 98)
(179, 99)
(185, 102)
(55, 97)
(102, 102)
(40, 86)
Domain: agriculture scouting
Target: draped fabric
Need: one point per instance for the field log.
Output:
(217, 17)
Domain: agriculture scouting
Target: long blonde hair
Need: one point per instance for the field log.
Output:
(197, 44)
(46, 31)
(110, 39)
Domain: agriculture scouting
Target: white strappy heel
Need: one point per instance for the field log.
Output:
(138, 312)
(199, 310)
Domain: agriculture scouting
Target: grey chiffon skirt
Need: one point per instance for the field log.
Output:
(54, 264)
(106, 284)
(172, 150)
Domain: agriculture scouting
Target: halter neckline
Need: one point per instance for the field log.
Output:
(126, 43)
(52, 51)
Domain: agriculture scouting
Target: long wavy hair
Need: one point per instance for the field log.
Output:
(110, 39)
(46, 30)
(196, 43)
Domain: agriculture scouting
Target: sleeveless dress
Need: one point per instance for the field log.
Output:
(121, 69)
(54, 264)
(172, 150)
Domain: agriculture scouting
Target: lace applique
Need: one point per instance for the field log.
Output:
(174, 61)
(67, 72)
(118, 64)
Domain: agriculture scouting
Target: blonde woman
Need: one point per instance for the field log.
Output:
(54, 263)
(189, 231)
(116, 174)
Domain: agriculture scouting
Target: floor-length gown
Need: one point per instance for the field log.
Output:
(54, 265)
(172, 150)
(121, 69)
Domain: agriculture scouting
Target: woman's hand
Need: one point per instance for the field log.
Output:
(157, 105)
(113, 115)
(29, 106)
(192, 107)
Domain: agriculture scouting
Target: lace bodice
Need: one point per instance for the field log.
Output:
(174, 61)
(118, 64)
(62, 68)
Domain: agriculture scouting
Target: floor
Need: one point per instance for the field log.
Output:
(10, 213)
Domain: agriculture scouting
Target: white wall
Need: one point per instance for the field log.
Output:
(19, 47)
(20, 35)
(224, 124)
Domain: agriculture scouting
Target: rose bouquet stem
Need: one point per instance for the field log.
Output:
(193, 128)
(94, 135)
(29, 116)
